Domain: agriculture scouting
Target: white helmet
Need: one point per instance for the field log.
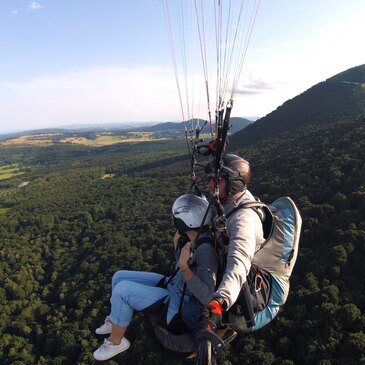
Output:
(188, 212)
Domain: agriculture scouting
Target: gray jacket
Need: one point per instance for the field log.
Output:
(205, 266)
(245, 233)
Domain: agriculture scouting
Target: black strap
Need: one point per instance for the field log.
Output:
(251, 204)
(163, 283)
(204, 239)
(267, 219)
(172, 276)
(244, 305)
(182, 297)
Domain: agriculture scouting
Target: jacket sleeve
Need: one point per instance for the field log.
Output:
(202, 284)
(244, 229)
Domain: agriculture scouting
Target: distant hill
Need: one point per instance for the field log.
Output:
(75, 128)
(100, 127)
(33, 132)
(177, 127)
(339, 97)
(237, 124)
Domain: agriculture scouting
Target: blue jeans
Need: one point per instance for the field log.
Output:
(136, 290)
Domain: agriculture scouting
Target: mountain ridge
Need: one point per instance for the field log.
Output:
(237, 123)
(337, 98)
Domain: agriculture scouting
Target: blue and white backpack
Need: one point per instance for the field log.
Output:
(273, 261)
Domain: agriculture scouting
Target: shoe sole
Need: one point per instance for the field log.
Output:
(115, 356)
(103, 334)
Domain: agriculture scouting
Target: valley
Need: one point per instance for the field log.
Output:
(97, 139)
(71, 214)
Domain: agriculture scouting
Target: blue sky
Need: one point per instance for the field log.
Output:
(92, 61)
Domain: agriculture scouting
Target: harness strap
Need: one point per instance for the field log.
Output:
(266, 220)
(251, 204)
(182, 298)
(204, 239)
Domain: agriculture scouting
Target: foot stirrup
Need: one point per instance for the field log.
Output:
(227, 334)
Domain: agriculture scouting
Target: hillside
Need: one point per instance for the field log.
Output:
(87, 212)
(339, 97)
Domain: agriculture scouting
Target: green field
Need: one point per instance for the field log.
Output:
(8, 171)
(97, 139)
(105, 139)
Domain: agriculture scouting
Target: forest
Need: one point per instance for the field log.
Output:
(65, 232)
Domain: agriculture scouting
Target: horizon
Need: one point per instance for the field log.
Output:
(93, 65)
(106, 126)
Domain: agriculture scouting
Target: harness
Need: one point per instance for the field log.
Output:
(176, 325)
(258, 280)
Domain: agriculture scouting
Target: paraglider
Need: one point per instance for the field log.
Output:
(267, 283)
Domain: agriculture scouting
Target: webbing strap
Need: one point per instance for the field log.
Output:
(178, 280)
(247, 205)
(182, 297)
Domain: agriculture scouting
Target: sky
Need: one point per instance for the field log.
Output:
(92, 61)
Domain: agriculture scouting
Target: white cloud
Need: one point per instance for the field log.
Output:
(255, 86)
(16, 11)
(90, 96)
(35, 5)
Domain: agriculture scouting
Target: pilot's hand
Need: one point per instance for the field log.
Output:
(214, 311)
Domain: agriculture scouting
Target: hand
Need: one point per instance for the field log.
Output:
(176, 239)
(214, 310)
(185, 257)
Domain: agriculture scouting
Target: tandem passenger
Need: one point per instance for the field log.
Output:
(132, 290)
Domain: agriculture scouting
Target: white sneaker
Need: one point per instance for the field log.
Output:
(106, 328)
(107, 350)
